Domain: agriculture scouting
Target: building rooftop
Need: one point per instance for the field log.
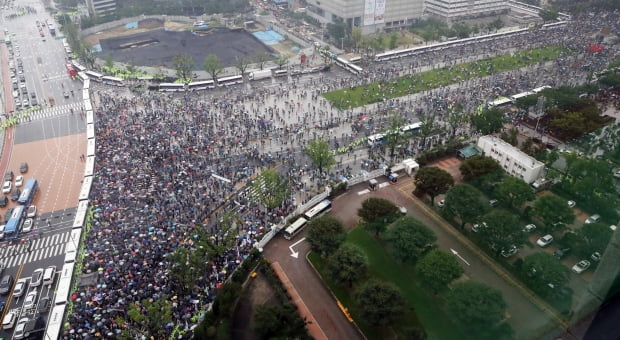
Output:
(511, 151)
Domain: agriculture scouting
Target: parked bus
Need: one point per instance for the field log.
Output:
(171, 87)
(411, 128)
(113, 81)
(29, 191)
(295, 228)
(320, 209)
(11, 230)
(501, 101)
(232, 80)
(355, 60)
(78, 66)
(82, 76)
(280, 73)
(98, 77)
(201, 85)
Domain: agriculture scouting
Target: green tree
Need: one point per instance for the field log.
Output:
(514, 192)
(270, 188)
(185, 267)
(242, 64)
(409, 239)
(356, 36)
(510, 136)
(281, 61)
(393, 136)
(465, 201)
(502, 231)
(393, 42)
(455, 118)
(544, 274)
(548, 14)
(433, 181)
(438, 268)
(183, 64)
(279, 322)
(477, 166)
(373, 209)
(488, 121)
(320, 155)
(260, 59)
(380, 303)
(325, 235)
(553, 211)
(213, 66)
(595, 236)
(109, 62)
(150, 314)
(348, 264)
(476, 306)
(427, 126)
(528, 146)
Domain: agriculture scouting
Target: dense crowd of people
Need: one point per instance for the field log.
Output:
(168, 167)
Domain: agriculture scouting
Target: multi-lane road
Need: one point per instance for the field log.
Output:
(50, 139)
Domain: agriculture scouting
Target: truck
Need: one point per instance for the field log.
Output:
(52, 29)
(259, 74)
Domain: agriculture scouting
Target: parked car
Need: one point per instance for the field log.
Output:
(581, 266)
(19, 181)
(441, 203)
(510, 251)
(3, 201)
(560, 253)
(15, 194)
(27, 226)
(32, 211)
(493, 202)
(23, 168)
(30, 300)
(593, 219)
(529, 228)
(20, 330)
(571, 204)
(9, 320)
(8, 176)
(545, 240)
(5, 284)
(44, 304)
(20, 288)
(596, 256)
(476, 227)
(6, 187)
(36, 278)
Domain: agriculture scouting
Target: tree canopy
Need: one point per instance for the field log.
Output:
(319, 154)
(279, 321)
(438, 268)
(503, 231)
(553, 211)
(348, 264)
(477, 166)
(270, 188)
(475, 305)
(183, 64)
(514, 192)
(377, 210)
(544, 274)
(213, 66)
(409, 238)
(488, 121)
(433, 181)
(465, 201)
(325, 235)
(379, 303)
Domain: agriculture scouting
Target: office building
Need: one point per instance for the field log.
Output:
(453, 10)
(101, 8)
(514, 161)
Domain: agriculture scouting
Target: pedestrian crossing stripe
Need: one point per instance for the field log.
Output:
(54, 111)
(42, 248)
(363, 192)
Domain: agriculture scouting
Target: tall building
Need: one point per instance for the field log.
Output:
(452, 10)
(514, 161)
(101, 8)
(370, 15)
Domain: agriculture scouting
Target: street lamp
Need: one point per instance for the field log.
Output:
(342, 43)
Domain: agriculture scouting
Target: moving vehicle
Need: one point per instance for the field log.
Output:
(44, 304)
(30, 300)
(9, 321)
(48, 275)
(30, 190)
(32, 211)
(36, 278)
(5, 284)
(20, 329)
(27, 226)
(20, 287)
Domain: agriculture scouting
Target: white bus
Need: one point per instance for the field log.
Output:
(295, 228)
(82, 76)
(521, 95)
(280, 73)
(113, 81)
(201, 85)
(499, 102)
(62, 291)
(232, 80)
(98, 77)
(355, 60)
(171, 87)
(411, 128)
(540, 89)
(375, 140)
(320, 209)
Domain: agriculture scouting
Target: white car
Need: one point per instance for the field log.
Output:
(28, 224)
(32, 211)
(593, 219)
(571, 204)
(441, 203)
(510, 251)
(545, 240)
(9, 321)
(476, 228)
(20, 288)
(20, 329)
(529, 228)
(19, 181)
(30, 300)
(6, 188)
(581, 266)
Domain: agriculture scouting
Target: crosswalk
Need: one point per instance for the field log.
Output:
(55, 111)
(40, 248)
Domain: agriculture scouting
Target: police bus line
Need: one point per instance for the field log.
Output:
(318, 210)
(513, 99)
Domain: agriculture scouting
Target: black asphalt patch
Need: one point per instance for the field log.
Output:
(158, 47)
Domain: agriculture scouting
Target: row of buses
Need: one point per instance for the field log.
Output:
(18, 216)
(379, 138)
(513, 99)
(200, 85)
(395, 54)
(318, 210)
(84, 74)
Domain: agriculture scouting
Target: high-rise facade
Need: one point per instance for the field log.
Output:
(452, 10)
(101, 7)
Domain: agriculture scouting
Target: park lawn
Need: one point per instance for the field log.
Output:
(409, 84)
(424, 308)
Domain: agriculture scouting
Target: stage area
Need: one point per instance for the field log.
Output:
(158, 47)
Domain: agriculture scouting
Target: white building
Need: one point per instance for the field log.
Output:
(514, 161)
(101, 7)
(452, 10)
(371, 15)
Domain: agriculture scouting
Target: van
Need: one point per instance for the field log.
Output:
(48, 275)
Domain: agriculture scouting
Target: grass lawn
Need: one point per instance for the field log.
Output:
(425, 308)
(409, 84)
